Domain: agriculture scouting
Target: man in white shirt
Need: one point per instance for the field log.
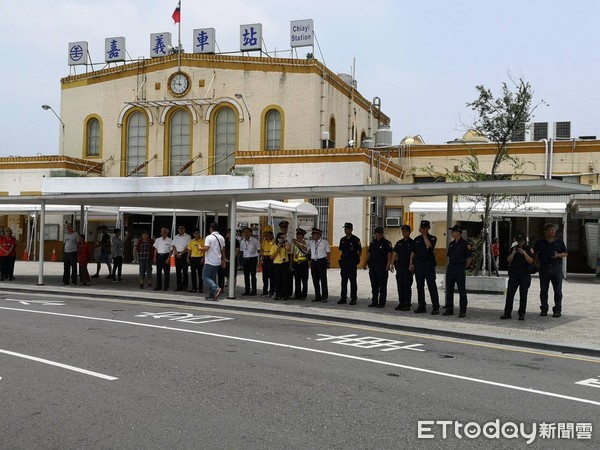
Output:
(214, 253)
(70, 258)
(180, 250)
(162, 256)
(250, 248)
(319, 254)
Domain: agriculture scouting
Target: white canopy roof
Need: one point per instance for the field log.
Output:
(470, 211)
(280, 209)
(263, 207)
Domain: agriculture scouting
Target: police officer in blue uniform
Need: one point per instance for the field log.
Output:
(379, 261)
(549, 252)
(422, 263)
(520, 262)
(404, 277)
(350, 249)
(460, 255)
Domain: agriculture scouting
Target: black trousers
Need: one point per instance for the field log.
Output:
(117, 267)
(404, 282)
(348, 274)
(281, 273)
(7, 267)
(163, 267)
(425, 272)
(551, 273)
(70, 268)
(249, 267)
(379, 279)
(318, 271)
(196, 275)
(456, 274)
(518, 278)
(181, 272)
(300, 280)
(267, 276)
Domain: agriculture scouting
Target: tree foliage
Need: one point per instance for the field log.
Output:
(497, 118)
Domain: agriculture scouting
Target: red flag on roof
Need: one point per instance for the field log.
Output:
(177, 13)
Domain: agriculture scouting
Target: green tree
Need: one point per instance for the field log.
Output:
(497, 118)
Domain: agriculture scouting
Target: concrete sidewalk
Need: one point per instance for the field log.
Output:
(577, 331)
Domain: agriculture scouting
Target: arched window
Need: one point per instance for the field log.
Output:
(273, 130)
(225, 140)
(136, 142)
(332, 131)
(179, 140)
(92, 141)
(363, 136)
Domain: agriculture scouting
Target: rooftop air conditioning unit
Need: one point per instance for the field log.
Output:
(562, 130)
(540, 131)
(392, 222)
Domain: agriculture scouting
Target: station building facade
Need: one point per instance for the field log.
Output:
(285, 122)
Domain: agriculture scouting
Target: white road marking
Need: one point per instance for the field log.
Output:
(369, 342)
(36, 302)
(592, 382)
(57, 364)
(184, 317)
(322, 352)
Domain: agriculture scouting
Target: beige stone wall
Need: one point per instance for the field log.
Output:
(308, 99)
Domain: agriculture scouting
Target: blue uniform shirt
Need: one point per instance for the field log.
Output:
(350, 248)
(545, 249)
(422, 253)
(378, 252)
(458, 252)
(403, 249)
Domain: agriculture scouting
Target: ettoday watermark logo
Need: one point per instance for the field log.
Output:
(444, 429)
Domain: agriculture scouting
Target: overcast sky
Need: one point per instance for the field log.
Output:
(422, 58)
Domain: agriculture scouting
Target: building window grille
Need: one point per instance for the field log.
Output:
(179, 141)
(93, 138)
(273, 128)
(322, 205)
(225, 140)
(136, 142)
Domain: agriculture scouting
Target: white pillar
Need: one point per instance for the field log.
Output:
(232, 225)
(42, 227)
(81, 219)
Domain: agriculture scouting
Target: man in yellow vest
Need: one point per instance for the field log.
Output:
(195, 259)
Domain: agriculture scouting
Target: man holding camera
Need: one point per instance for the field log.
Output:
(280, 257)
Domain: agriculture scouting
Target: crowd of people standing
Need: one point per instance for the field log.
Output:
(287, 258)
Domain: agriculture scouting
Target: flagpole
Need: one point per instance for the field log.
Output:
(179, 40)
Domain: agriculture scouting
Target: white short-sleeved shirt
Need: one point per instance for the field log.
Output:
(249, 248)
(318, 249)
(181, 241)
(163, 246)
(215, 242)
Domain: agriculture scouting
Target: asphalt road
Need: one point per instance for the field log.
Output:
(92, 373)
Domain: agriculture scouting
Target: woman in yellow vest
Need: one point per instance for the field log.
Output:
(300, 265)
(279, 256)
